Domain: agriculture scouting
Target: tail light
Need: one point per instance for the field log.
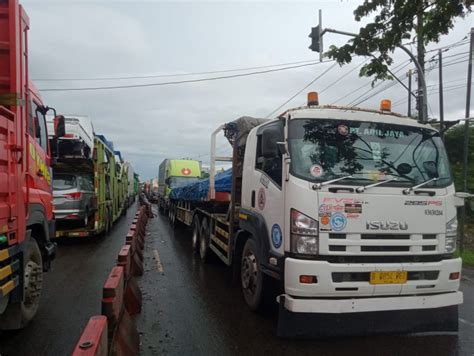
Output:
(73, 196)
(69, 135)
(72, 216)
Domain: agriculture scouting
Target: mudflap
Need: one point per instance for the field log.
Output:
(324, 325)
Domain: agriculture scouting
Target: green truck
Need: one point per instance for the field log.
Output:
(172, 173)
(108, 198)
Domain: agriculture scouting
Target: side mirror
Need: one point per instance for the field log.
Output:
(270, 138)
(59, 126)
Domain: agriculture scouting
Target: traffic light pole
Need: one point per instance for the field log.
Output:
(422, 94)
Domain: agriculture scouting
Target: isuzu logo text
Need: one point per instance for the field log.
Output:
(386, 225)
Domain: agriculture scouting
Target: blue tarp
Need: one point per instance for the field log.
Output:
(198, 190)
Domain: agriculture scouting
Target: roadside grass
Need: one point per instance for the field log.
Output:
(467, 257)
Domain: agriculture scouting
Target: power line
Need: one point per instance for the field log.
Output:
(343, 76)
(183, 81)
(172, 74)
(301, 90)
(404, 64)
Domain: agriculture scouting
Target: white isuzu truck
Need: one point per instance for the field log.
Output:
(352, 211)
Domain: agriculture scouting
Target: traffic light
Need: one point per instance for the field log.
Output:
(315, 36)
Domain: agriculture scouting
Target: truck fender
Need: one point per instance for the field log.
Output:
(37, 219)
(255, 225)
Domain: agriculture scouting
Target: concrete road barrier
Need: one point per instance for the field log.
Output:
(115, 332)
(94, 338)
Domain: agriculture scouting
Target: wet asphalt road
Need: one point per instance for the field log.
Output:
(194, 309)
(72, 293)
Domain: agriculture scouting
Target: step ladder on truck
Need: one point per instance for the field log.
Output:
(349, 212)
(26, 213)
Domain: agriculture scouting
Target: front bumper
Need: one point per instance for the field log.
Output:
(329, 286)
(351, 317)
(361, 305)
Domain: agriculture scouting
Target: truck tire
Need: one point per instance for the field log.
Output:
(196, 234)
(18, 315)
(204, 238)
(251, 277)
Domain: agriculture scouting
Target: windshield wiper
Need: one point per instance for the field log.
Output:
(365, 187)
(318, 186)
(408, 190)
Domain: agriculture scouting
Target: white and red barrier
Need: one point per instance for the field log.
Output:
(114, 332)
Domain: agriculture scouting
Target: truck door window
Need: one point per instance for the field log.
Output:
(270, 165)
(41, 134)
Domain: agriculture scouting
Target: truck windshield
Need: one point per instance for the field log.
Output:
(177, 181)
(323, 149)
(64, 181)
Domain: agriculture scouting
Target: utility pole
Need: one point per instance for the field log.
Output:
(441, 95)
(422, 93)
(409, 92)
(466, 135)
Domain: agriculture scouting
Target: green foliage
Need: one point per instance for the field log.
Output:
(394, 22)
(454, 141)
(467, 257)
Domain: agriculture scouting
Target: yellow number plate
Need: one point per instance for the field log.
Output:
(388, 277)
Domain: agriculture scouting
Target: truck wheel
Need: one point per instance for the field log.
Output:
(18, 315)
(204, 237)
(251, 276)
(196, 235)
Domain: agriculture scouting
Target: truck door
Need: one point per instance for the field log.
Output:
(265, 191)
(39, 155)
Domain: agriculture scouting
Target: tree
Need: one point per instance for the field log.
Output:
(454, 141)
(396, 22)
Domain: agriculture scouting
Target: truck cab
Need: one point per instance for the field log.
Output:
(355, 212)
(173, 173)
(26, 211)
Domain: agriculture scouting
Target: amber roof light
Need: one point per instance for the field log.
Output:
(313, 98)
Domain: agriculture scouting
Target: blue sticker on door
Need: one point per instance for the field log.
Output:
(277, 237)
(338, 222)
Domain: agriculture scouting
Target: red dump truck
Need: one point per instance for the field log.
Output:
(26, 213)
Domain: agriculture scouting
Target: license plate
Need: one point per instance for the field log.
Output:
(388, 277)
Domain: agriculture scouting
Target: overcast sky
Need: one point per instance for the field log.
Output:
(111, 38)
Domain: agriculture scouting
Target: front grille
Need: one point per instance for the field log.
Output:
(380, 243)
(385, 237)
(385, 248)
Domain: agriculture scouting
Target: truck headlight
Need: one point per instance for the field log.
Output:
(304, 234)
(451, 235)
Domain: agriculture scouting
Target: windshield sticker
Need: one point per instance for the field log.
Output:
(325, 220)
(261, 198)
(424, 202)
(329, 208)
(276, 236)
(433, 212)
(316, 170)
(376, 151)
(377, 175)
(353, 208)
(352, 216)
(338, 222)
(377, 132)
(343, 130)
(264, 180)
